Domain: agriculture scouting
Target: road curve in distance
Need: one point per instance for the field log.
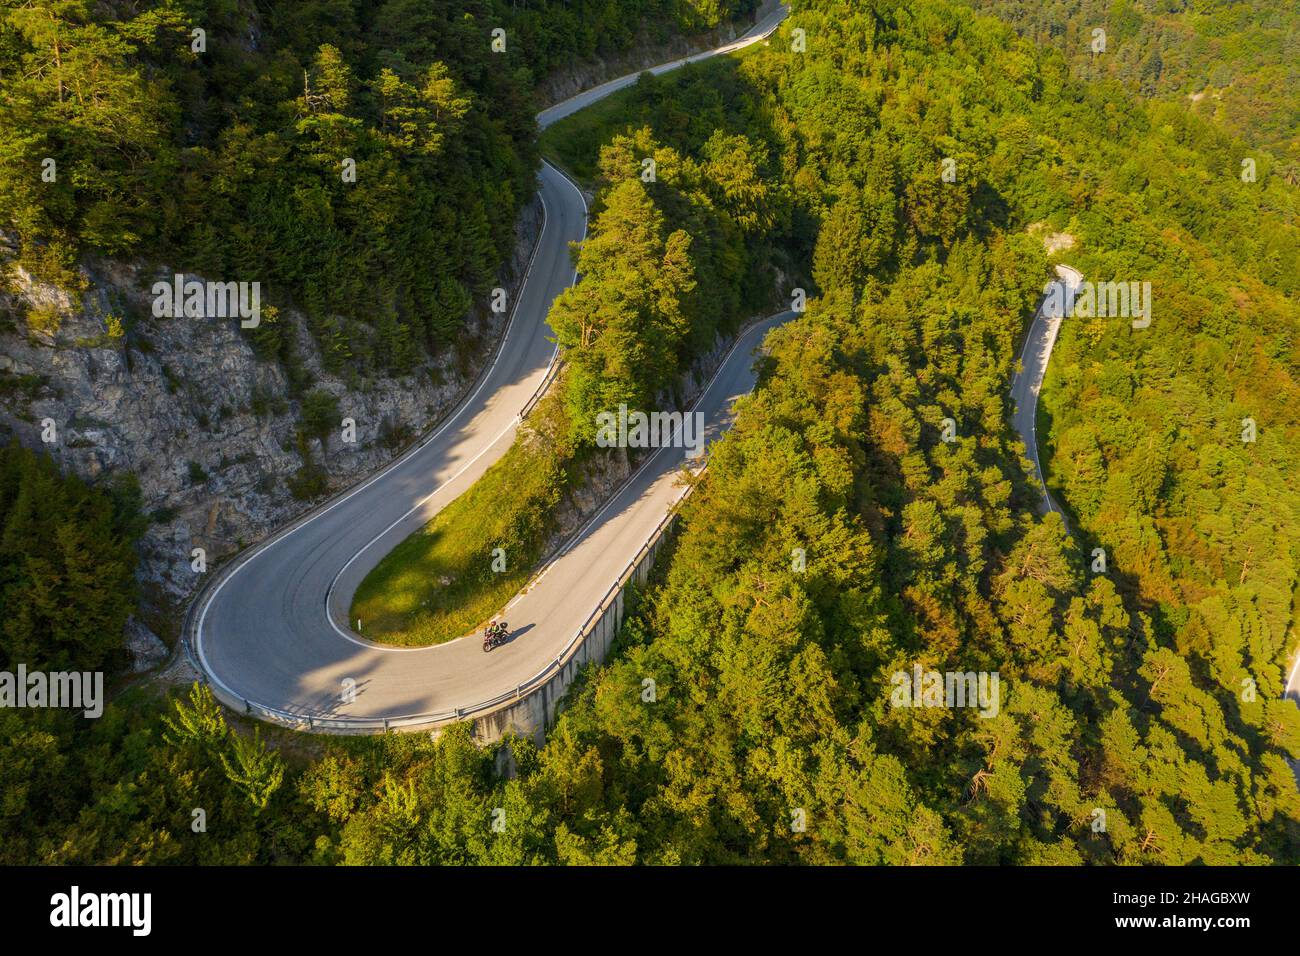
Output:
(1292, 693)
(1025, 387)
(1028, 382)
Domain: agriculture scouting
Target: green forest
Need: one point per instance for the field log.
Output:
(1230, 60)
(67, 564)
(227, 153)
(1145, 696)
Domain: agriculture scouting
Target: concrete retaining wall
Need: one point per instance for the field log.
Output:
(535, 711)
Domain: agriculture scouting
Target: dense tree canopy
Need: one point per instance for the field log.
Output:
(871, 510)
(67, 563)
(1120, 703)
(364, 162)
(1230, 60)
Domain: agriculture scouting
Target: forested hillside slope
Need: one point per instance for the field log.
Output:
(838, 539)
(167, 140)
(1121, 695)
(1236, 62)
(138, 140)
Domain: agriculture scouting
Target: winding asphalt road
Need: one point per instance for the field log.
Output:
(1028, 382)
(273, 630)
(1292, 693)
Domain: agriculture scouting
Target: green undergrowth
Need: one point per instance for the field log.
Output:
(448, 578)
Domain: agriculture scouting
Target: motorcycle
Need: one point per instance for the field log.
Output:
(494, 635)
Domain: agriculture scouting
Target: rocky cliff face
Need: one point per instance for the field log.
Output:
(207, 427)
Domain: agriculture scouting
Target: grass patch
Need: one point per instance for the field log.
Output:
(439, 583)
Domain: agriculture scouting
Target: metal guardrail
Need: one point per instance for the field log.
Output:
(552, 373)
(553, 370)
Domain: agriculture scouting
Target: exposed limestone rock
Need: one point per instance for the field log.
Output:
(147, 649)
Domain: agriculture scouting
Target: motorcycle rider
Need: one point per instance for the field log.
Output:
(495, 634)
